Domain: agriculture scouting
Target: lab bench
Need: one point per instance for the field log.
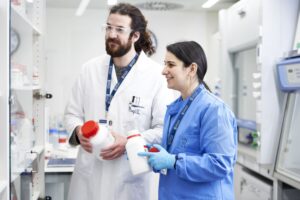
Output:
(58, 171)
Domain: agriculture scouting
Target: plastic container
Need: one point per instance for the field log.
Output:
(53, 132)
(135, 144)
(99, 135)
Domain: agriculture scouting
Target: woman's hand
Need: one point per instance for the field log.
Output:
(159, 160)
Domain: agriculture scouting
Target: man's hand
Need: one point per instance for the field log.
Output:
(115, 150)
(84, 142)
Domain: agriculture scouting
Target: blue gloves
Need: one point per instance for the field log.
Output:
(159, 160)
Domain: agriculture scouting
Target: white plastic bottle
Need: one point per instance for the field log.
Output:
(135, 144)
(99, 135)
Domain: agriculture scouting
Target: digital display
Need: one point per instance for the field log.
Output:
(293, 73)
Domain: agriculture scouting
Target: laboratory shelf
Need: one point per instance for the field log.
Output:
(27, 88)
(285, 178)
(23, 20)
(37, 149)
(2, 186)
(25, 165)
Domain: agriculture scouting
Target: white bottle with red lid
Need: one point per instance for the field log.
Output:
(135, 144)
(99, 135)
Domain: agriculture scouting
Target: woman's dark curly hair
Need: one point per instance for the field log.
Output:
(139, 24)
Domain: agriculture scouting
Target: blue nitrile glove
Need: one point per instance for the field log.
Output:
(159, 160)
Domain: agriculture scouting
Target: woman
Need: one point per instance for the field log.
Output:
(199, 141)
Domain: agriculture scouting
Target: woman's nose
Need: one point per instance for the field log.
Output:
(164, 71)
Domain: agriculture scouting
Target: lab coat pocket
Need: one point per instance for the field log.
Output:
(139, 114)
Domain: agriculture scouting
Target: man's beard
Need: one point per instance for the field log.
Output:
(117, 51)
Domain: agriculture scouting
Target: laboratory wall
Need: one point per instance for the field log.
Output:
(71, 41)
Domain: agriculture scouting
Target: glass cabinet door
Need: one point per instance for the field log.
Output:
(288, 163)
(26, 106)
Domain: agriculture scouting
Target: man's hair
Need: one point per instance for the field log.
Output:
(138, 24)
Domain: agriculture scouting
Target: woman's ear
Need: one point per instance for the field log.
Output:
(193, 68)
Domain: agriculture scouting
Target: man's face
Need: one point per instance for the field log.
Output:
(117, 35)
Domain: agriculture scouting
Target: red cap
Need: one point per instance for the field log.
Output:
(153, 149)
(89, 128)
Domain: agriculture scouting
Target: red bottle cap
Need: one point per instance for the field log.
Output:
(153, 149)
(89, 128)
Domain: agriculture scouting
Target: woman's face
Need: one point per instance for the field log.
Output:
(175, 72)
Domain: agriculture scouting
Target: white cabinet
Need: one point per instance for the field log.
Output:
(243, 24)
(251, 186)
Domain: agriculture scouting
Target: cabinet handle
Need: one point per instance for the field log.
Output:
(39, 95)
(243, 183)
(241, 12)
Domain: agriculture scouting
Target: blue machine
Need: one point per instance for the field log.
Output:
(289, 74)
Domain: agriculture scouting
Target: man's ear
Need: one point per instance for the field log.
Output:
(136, 36)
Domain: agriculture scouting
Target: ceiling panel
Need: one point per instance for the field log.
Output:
(194, 5)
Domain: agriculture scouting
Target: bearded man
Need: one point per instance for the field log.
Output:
(127, 89)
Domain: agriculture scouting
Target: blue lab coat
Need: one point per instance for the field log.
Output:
(206, 145)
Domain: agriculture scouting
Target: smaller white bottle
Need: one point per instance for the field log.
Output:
(136, 144)
(99, 135)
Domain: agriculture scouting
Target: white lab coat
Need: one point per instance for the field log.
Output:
(109, 180)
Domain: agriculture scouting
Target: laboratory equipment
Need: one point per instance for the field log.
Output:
(288, 161)
(248, 59)
(53, 132)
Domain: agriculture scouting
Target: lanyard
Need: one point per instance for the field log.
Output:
(109, 95)
(181, 115)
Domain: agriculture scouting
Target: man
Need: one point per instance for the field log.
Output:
(126, 88)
